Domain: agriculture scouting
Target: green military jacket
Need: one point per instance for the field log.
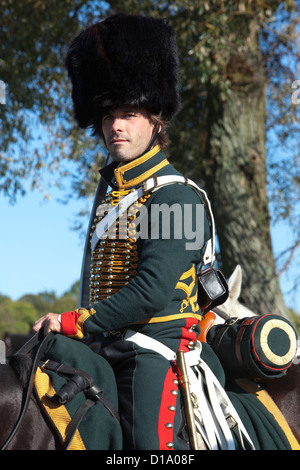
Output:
(145, 280)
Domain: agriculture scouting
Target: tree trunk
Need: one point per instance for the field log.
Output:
(236, 183)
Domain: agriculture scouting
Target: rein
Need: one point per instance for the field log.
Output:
(77, 381)
(24, 350)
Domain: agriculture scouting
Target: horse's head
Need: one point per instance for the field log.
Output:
(232, 307)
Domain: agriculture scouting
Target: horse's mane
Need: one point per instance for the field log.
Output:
(21, 365)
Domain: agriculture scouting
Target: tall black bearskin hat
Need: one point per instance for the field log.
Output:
(124, 60)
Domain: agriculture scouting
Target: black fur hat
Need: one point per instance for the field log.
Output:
(124, 60)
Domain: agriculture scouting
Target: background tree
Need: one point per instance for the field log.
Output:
(236, 69)
(237, 66)
(17, 317)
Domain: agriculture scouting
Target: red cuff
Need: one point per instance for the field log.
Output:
(68, 323)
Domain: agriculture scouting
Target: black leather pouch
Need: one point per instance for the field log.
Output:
(212, 289)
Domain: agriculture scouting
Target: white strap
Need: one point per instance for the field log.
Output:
(223, 410)
(212, 412)
(116, 211)
(150, 185)
(150, 343)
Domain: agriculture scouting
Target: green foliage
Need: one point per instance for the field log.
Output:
(37, 131)
(34, 37)
(221, 43)
(18, 316)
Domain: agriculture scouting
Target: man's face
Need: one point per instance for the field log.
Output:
(127, 133)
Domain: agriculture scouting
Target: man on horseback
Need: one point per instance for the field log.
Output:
(143, 283)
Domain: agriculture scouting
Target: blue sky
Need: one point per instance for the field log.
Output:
(39, 251)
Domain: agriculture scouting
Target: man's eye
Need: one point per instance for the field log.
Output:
(130, 114)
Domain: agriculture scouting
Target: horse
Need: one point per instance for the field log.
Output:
(284, 391)
(35, 432)
(14, 341)
(232, 307)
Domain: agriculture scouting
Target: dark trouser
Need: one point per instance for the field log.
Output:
(149, 398)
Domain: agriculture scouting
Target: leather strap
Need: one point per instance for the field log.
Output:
(78, 381)
(26, 348)
(29, 345)
(76, 420)
(238, 341)
(215, 344)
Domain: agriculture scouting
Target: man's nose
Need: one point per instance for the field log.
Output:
(117, 124)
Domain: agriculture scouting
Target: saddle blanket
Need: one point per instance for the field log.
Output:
(98, 430)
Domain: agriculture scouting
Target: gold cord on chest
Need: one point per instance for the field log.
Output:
(114, 261)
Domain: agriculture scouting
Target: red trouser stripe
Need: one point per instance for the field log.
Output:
(167, 410)
(170, 390)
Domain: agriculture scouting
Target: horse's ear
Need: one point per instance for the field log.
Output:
(235, 283)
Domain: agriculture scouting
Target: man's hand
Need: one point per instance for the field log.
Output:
(49, 322)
